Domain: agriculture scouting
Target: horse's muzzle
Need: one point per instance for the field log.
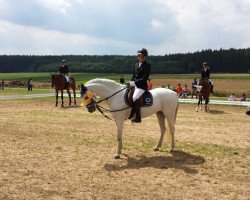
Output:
(91, 106)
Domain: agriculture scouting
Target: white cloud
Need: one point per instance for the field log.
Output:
(121, 27)
(56, 6)
(156, 24)
(32, 40)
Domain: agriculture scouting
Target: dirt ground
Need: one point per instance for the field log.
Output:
(68, 153)
(221, 86)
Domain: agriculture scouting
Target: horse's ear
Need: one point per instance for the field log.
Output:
(82, 85)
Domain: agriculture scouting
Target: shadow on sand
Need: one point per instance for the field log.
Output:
(179, 160)
(70, 107)
(217, 112)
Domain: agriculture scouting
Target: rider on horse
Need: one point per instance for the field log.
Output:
(64, 70)
(205, 74)
(139, 81)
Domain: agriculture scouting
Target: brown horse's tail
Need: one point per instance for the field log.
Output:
(73, 83)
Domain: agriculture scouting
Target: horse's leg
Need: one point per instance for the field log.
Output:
(68, 91)
(62, 98)
(56, 98)
(198, 104)
(74, 92)
(119, 125)
(161, 120)
(171, 116)
(206, 104)
(201, 103)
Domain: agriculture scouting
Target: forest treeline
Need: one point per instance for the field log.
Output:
(220, 61)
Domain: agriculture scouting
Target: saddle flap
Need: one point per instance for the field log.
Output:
(146, 99)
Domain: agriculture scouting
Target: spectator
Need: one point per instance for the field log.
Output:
(30, 84)
(194, 88)
(232, 97)
(150, 85)
(122, 80)
(185, 91)
(2, 84)
(178, 90)
(168, 87)
(243, 97)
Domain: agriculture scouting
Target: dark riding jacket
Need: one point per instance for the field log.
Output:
(141, 75)
(64, 69)
(205, 74)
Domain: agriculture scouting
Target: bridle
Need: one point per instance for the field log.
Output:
(93, 105)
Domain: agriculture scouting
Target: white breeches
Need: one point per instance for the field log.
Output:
(67, 78)
(138, 92)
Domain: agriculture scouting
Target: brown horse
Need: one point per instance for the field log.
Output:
(59, 82)
(204, 90)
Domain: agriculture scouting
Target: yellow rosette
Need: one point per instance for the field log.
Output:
(87, 99)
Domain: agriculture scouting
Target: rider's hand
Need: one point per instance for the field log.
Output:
(132, 84)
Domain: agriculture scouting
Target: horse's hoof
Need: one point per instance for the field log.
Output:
(156, 149)
(171, 151)
(117, 157)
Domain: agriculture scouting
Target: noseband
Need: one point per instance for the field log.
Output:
(93, 105)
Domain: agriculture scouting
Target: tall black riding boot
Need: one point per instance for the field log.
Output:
(137, 118)
(132, 113)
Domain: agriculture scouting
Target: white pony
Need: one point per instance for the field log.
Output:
(165, 105)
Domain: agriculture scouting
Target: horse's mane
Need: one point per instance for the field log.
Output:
(109, 83)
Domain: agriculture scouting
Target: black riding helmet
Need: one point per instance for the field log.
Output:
(142, 51)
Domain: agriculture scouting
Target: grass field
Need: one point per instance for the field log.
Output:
(67, 153)
(225, 84)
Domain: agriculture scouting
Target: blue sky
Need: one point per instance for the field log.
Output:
(120, 27)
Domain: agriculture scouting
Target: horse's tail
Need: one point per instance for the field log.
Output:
(176, 110)
(73, 83)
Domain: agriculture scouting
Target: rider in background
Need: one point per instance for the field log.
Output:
(64, 70)
(139, 81)
(205, 74)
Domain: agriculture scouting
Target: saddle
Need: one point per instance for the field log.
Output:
(146, 99)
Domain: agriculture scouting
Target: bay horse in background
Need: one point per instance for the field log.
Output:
(59, 82)
(204, 90)
(165, 106)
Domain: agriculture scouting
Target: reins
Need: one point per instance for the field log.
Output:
(102, 109)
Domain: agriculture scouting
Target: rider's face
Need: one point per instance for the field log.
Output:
(141, 58)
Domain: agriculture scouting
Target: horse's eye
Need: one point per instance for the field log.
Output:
(86, 97)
